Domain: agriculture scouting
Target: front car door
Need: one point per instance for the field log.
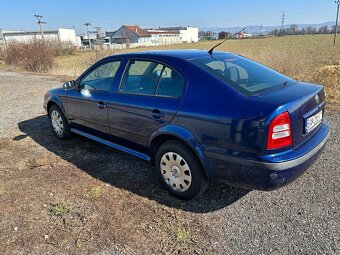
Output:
(87, 105)
(148, 97)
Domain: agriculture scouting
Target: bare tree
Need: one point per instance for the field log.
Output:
(311, 30)
(293, 29)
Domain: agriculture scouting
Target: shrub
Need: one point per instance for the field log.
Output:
(33, 56)
(60, 48)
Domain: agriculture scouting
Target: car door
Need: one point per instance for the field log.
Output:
(148, 97)
(87, 105)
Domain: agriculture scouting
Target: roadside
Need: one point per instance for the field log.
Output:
(80, 196)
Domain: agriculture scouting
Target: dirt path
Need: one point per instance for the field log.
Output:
(77, 196)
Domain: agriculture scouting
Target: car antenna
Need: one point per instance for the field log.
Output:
(211, 50)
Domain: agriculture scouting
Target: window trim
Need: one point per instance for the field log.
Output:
(98, 64)
(154, 94)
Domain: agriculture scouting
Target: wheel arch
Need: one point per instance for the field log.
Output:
(171, 132)
(58, 103)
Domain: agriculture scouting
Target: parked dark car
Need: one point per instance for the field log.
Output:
(198, 117)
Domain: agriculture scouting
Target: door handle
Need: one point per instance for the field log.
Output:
(101, 105)
(157, 114)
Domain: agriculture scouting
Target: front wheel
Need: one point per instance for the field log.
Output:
(60, 125)
(180, 171)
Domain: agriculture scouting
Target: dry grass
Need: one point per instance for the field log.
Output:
(310, 58)
(60, 209)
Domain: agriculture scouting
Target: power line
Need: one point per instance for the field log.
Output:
(40, 22)
(336, 20)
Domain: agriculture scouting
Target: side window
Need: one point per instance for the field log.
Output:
(151, 78)
(101, 78)
(170, 84)
(141, 77)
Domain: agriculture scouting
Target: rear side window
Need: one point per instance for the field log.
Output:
(170, 84)
(151, 78)
(244, 75)
(101, 77)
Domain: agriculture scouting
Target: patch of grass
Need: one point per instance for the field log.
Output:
(181, 234)
(2, 191)
(11, 240)
(59, 209)
(94, 192)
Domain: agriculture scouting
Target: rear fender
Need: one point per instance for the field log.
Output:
(185, 136)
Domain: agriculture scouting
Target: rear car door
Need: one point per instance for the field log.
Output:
(148, 97)
(87, 105)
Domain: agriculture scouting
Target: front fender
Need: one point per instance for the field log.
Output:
(59, 100)
(185, 136)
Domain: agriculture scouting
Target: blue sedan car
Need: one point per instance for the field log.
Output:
(198, 117)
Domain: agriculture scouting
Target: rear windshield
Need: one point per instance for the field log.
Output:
(246, 76)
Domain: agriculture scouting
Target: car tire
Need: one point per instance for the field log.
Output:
(59, 124)
(180, 171)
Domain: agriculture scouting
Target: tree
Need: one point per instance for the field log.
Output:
(323, 30)
(311, 30)
(275, 32)
(293, 29)
(333, 29)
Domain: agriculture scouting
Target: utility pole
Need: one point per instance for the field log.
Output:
(336, 21)
(87, 24)
(283, 19)
(99, 34)
(40, 22)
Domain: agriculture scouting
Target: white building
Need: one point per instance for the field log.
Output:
(61, 34)
(163, 37)
(187, 34)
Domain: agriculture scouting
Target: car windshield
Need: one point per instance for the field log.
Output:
(246, 76)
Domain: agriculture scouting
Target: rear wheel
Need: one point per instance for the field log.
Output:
(60, 125)
(180, 171)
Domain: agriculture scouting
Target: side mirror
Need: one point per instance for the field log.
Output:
(69, 85)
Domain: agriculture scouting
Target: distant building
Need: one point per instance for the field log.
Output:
(134, 36)
(164, 37)
(131, 34)
(89, 38)
(223, 35)
(242, 35)
(107, 38)
(187, 34)
(61, 34)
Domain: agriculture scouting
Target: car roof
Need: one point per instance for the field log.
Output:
(182, 54)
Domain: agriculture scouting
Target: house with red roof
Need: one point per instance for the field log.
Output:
(131, 35)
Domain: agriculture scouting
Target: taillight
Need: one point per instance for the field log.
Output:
(280, 133)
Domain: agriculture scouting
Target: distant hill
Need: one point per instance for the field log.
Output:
(265, 29)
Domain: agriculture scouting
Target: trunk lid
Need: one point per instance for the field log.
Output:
(302, 100)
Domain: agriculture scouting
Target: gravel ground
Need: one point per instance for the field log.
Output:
(132, 214)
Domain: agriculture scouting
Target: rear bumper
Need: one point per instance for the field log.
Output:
(268, 172)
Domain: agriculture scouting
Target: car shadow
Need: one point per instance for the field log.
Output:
(123, 170)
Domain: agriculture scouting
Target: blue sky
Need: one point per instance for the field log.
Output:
(19, 14)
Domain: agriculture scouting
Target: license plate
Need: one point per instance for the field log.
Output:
(313, 121)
